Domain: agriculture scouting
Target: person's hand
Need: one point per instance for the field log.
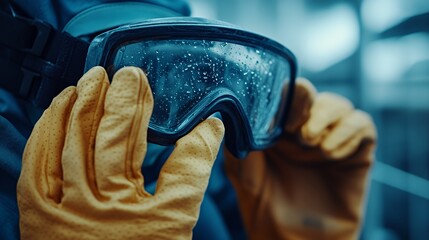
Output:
(81, 175)
(311, 184)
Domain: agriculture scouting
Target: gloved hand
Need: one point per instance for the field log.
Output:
(311, 184)
(81, 175)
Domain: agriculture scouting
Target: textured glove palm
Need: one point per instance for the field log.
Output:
(311, 184)
(81, 176)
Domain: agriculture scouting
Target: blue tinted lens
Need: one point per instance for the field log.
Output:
(186, 75)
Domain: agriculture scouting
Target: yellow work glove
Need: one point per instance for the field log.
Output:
(311, 184)
(81, 171)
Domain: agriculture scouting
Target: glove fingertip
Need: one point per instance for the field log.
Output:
(191, 162)
(303, 99)
(66, 93)
(95, 74)
(204, 140)
(211, 131)
(215, 125)
(131, 83)
(305, 86)
(309, 136)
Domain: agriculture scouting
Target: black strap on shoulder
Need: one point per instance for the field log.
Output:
(36, 61)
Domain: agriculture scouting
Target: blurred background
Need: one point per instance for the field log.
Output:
(376, 53)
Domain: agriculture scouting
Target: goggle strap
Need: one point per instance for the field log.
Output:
(37, 61)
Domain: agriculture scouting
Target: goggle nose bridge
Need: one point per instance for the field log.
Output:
(236, 125)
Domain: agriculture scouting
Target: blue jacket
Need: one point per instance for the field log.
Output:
(14, 131)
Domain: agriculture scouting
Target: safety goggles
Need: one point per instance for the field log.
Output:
(197, 67)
